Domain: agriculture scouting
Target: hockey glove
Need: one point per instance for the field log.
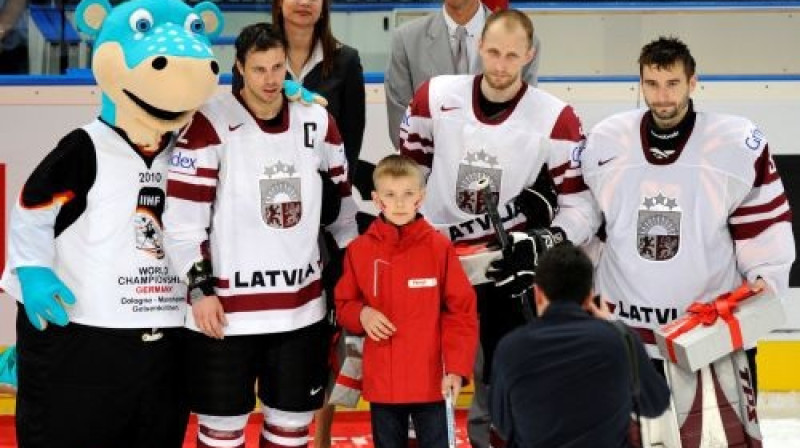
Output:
(538, 202)
(8, 368)
(515, 271)
(44, 296)
(296, 92)
(331, 200)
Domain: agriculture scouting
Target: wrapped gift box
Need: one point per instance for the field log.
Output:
(709, 331)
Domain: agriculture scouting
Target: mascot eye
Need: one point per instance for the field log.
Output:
(194, 24)
(141, 21)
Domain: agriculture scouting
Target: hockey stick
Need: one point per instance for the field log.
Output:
(485, 193)
(451, 419)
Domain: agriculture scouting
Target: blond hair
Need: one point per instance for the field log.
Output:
(397, 166)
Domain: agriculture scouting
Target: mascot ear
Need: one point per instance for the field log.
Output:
(90, 15)
(212, 18)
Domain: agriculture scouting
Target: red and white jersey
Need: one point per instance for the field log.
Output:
(690, 229)
(447, 133)
(246, 194)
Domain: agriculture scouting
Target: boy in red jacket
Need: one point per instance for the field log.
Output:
(404, 287)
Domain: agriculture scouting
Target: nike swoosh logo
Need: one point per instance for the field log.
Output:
(233, 128)
(448, 109)
(315, 391)
(603, 162)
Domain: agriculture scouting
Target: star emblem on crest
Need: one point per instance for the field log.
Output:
(481, 157)
(280, 169)
(659, 202)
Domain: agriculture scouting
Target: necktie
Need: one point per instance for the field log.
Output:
(461, 59)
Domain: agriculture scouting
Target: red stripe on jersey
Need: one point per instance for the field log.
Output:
(286, 432)
(645, 334)
(766, 173)
(559, 170)
(420, 104)
(421, 157)
(200, 134)
(268, 301)
(345, 189)
(567, 127)
(333, 137)
(219, 434)
(222, 282)
(763, 208)
(571, 185)
(190, 192)
(209, 173)
(749, 230)
(336, 171)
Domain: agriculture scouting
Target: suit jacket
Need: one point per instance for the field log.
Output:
(344, 90)
(421, 50)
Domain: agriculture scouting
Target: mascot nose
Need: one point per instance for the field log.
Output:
(214, 67)
(159, 63)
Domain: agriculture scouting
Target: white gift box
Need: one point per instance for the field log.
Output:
(707, 332)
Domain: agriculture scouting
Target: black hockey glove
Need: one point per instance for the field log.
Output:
(331, 200)
(538, 202)
(515, 271)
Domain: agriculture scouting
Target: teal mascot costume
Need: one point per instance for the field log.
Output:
(98, 347)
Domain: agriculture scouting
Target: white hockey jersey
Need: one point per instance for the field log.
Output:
(687, 230)
(247, 195)
(102, 201)
(457, 145)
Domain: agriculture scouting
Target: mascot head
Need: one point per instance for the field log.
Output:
(152, 59)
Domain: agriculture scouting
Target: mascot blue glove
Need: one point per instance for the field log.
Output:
(296, 92)
(44, 296)
(8, 369)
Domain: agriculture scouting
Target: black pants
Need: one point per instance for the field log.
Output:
(88, 387)
(390, 424)
(498, 314)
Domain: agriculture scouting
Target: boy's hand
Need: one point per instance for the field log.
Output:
(377, 326)
(451, 382)
(209, 316)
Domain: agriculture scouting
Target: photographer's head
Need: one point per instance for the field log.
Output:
(564, 274)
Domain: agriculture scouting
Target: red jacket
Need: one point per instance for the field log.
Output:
(412, 275)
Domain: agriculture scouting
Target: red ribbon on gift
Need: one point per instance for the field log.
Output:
(706, 314)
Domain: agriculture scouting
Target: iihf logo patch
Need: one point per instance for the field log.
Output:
(281, 198)
(658, 228)
(147, 221)
(472, 168)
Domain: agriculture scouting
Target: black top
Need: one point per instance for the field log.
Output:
(344, 90)
(564, 380)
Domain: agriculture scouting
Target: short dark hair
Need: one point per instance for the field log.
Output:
(511, 18)
(664, 52)
(565, 274)
(260, 36)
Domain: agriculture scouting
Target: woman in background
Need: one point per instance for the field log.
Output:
(322, 64)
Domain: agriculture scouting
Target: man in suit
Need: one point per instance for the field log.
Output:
(428, 47)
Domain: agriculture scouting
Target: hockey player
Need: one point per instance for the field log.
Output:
(100, 311)
(242, 219)
(463, 128)
(692, 201)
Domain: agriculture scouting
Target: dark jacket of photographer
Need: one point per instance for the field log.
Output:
(565, 380)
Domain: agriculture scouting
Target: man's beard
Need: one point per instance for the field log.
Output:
(670, 114)
(501, 85)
